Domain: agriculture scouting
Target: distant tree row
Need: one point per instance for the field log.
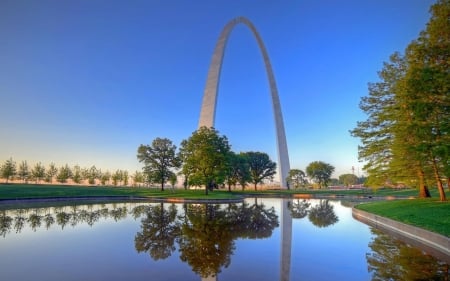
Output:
(406, 136)
(9, 170)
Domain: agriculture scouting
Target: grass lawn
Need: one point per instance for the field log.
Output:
(429, 214)
(24, 191)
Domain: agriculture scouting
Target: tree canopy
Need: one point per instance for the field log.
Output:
(406, 136)
(159, 159)
(204, 155)
(261, 167)
(320, 172)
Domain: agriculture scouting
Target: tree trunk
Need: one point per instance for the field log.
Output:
(423, 189)
(255, 186)
(438, 181)
(162, 185)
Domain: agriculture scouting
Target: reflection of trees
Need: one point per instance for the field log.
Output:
(62, 216)
(254, 221)
(158, 231)
(205, 244)
(299, 209)
(5, 223)
(19, 220)
(392, 259)
(322, 215)
(35, 219)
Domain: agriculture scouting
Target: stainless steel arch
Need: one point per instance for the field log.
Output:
(208, 110)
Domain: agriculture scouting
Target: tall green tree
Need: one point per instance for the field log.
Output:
(8, 169)
(52, 171)
(320, 172)
(38, 172)
(296, 178)
(24, 172)
(77, 174)
(406, 137)
(238, 170)
(64, 174)
(204, 156)
(261, 167)
(159, 160)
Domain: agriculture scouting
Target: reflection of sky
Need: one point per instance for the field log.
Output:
(106, 251)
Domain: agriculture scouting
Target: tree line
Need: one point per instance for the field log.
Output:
(406, 136)
(206, 159)
(39, 173)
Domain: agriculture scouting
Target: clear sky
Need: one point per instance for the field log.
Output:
(86, 82)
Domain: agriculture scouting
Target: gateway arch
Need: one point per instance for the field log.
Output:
(208, 110)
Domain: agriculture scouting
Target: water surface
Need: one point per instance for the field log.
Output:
(261, 239)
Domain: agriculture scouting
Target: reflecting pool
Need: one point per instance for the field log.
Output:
(260, 239)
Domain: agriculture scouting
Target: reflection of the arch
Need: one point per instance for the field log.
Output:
(205, 233)
(392, 259)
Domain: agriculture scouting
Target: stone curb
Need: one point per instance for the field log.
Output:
(437, 244)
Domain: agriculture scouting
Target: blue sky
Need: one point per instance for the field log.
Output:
(86, 82)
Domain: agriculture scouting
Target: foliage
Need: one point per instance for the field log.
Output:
(8, 169)
(406, 137)
(237, 170)
(320, 172)
(296, 178)
(348, 179)
(24, 172)
(64, 174)
(204, 156)
(51, 172)
(261, 167)
(159, 159)
(38, 172)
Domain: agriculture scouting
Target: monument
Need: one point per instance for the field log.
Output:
(208, 110)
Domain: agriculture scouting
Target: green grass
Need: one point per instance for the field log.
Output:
(429, 214)
(25, 191)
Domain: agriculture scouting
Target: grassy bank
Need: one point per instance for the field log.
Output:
(429, 214)
(25, 191)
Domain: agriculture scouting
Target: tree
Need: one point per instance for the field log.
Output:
(38, 172)
(159, 159)
(320, 172)
(296, 178)
(52, 171)
(117, 177)
(348, 179)
(105, 178)
(77, 175)
(237, 171)
(406, 137)
(204, 156)
(92, 175)
(24, 172)
(64, 174)
(8, 169)
(138, 178)
(261, 167)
